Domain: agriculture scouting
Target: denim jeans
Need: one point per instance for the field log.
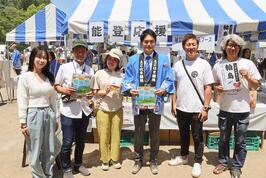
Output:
(74, 130)
(185, 120)
(240, 122)
(154, 127)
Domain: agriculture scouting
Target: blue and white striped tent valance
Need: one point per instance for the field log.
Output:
(180, 16)
(46, 25)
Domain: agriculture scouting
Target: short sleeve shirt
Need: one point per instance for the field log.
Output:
(104, 78)
(201, 75)
(64, 78)
(236, 101)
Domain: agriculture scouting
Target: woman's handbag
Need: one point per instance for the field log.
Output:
(94, 105)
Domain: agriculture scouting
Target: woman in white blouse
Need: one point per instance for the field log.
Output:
(107, 85)
(37, 113)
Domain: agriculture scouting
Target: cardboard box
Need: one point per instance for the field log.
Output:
(164, 137)
(172, 137)
(95, 135)
(167, 137)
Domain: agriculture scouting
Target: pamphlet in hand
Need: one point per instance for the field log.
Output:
(230, 76)
(146, 98)
(81, 83)
(115, 84)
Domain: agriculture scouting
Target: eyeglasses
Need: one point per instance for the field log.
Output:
(233, 46)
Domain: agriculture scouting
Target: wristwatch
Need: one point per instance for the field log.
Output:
(206, 108)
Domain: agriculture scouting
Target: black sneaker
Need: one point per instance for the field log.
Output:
(154, 167)
(137, 166)
(235, 173)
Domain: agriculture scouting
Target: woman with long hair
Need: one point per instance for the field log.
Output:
(37, 113)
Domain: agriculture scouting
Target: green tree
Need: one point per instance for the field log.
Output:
(14, 12)
(9, 19)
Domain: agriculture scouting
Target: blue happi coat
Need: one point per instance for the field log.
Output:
(165, 80)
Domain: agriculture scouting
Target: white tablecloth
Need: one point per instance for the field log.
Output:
(257, 120)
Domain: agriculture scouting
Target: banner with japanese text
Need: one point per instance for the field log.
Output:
(116, 31)
(96, 32)
(161, 29)
(137, 28)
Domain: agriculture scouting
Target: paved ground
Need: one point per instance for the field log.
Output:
(11, 155)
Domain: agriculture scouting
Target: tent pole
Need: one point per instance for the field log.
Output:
(65, 47)
(7, 83)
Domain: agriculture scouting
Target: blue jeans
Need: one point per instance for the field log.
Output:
(240, 122)
(73, 130)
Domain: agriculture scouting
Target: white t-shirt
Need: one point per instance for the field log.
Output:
(64, 78)
(236, 101)
(201, 74)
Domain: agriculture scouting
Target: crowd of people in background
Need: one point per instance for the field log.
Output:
(189, 81)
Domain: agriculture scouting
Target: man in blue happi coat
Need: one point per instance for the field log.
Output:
(153, 70)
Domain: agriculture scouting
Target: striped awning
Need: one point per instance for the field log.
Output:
(170, 17)
(46, 25)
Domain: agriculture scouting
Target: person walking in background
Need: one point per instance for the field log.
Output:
(89, 58)
(27, 56)
(54, 64)
(109, 119)
(213, 59)
(234, 104)
(37, 113)
(124, 61)
(75, 113)
(246, 53)
(15, 58)
(191, 101)
(148, 69)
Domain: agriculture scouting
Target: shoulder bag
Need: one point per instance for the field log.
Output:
(202, 102)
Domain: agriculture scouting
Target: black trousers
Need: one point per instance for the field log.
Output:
(185, 120)
(154, 127)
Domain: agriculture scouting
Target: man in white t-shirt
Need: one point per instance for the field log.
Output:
(234, 103)
(189, 107)
(75, 114)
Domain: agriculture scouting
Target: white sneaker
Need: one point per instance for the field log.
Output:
(178, 161)
(105, 166)
(117, 165)
(196, 170)
(84, 171)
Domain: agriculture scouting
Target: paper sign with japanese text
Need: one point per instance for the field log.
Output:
(116, 31)
(230, 78)
(137, 28)
(96, 32)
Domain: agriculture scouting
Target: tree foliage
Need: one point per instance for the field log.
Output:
(14, 12)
